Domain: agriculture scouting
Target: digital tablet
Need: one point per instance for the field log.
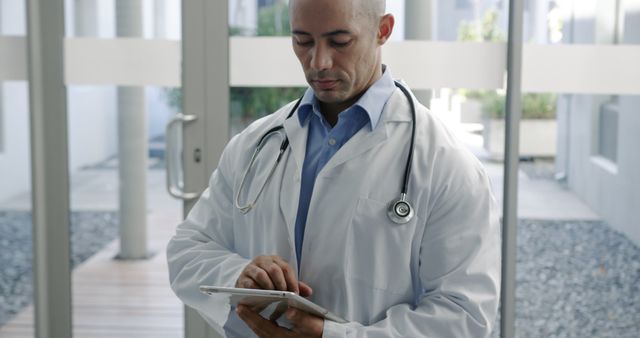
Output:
(264, 298)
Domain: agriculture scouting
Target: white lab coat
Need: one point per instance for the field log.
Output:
(436, 276)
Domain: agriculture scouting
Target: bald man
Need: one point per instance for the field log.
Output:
(319, 226)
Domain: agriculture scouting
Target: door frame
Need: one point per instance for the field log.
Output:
(205, 86)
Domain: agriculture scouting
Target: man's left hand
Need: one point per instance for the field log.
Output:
(304, 324)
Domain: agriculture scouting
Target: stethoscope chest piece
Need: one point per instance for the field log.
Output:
(400, 211)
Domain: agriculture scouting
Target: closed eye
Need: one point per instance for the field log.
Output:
(339, 44)
(304, 43)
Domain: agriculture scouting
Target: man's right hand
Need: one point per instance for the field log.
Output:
(271, 273)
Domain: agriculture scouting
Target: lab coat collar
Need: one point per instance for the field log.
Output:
(372, 102)
(390, 114)
(396, 110)
(297, 141)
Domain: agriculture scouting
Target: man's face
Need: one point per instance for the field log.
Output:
(337, 45)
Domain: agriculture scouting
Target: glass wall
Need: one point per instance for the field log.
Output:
(258, 19)
(16, 254)
(578, 235)
(121, 213)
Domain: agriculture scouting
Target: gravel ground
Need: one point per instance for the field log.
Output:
(538, 168)
(574, 279)
(90, 232)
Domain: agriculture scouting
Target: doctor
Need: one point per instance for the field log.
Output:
(320, 224)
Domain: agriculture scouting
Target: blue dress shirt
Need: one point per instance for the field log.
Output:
(324, 141)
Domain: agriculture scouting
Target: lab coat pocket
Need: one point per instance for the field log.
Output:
(381, 252)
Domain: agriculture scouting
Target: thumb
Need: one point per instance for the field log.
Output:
(305, 290)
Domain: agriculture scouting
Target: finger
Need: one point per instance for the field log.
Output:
(259, 325)
(279, 311)
(305, 323)
(289, 276)
(246, 283)
(260, 277)
(276, 275)
(305, 289)
(257, 308)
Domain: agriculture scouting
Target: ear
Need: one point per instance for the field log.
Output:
(385, 28)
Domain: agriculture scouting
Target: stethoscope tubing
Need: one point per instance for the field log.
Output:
(406, 210)
(407, 170)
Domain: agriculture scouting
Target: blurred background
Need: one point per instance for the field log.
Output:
(578, 242)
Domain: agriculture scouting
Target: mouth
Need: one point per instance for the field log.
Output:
(325, 84)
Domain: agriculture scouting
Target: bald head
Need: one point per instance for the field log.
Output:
(373, 9)
(339, 45)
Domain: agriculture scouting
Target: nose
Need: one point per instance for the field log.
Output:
(321, 58)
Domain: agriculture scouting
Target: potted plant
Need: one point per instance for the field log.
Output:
(538, 126)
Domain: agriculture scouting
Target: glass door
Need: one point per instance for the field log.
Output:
(103, 212)
(122, 61)
(16, 230)
(205, 121)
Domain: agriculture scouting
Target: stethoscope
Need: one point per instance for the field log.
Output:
(399, 210)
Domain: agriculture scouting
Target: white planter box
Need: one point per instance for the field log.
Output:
(470, 111)
(538, 138)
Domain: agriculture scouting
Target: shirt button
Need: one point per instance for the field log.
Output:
(332, 142)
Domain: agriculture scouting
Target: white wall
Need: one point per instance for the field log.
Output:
(12, 17)
(625, 217)
(613, 194)
(158, 113)
(15, 161)
(92, 123)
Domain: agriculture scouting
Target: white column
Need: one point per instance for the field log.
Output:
(418, 26)
(85, 18)
(159, 19)
(132, 146)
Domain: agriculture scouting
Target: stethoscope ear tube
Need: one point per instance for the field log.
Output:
(263, 140)
(400, 211)
(283, 146)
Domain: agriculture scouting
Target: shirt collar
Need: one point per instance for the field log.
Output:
(372, 102)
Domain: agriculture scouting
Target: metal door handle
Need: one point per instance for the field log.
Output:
(173, 156)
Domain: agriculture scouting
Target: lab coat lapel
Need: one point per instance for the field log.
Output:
(294, 160)
(360, 143)
(396, 110)
(297, 141)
